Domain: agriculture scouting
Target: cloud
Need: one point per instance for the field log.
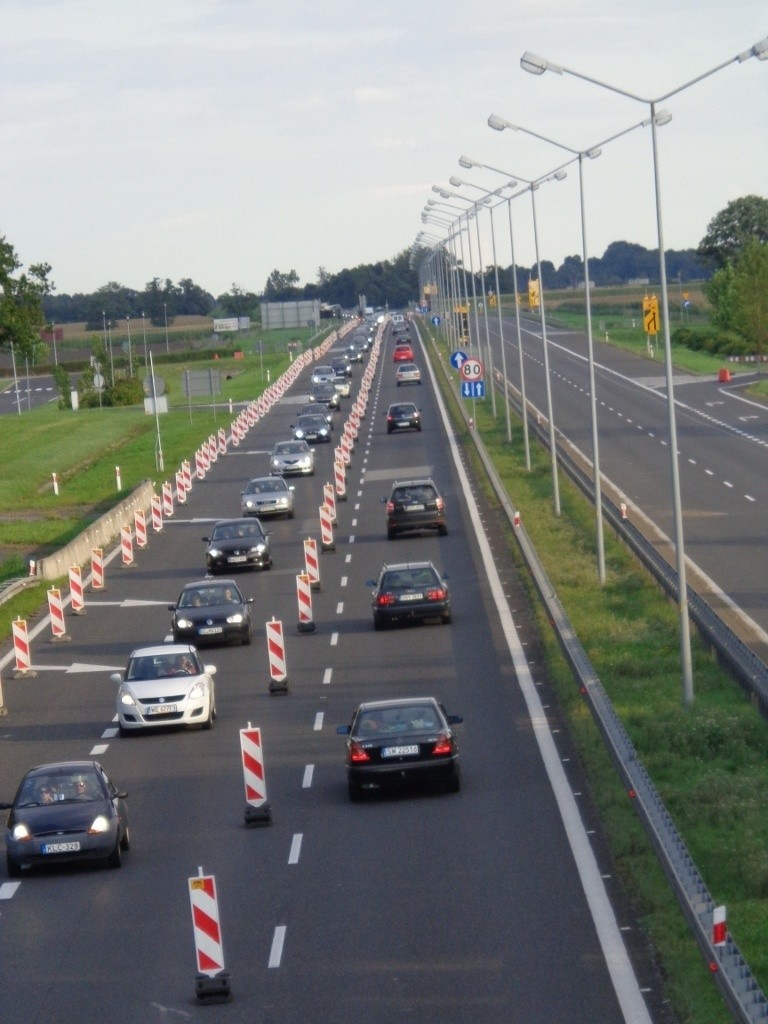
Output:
(372, 94)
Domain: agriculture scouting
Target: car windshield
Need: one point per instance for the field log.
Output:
(78, 784)
(209, 596)
(269, 485)
(396, 721)
(415, 492)
(163, 666)
(402, 410)
(290, 448)
(409, 579)
(236, 531)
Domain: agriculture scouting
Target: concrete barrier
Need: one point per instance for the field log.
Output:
(98, 534)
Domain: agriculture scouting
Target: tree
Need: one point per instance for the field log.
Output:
(21, 304)
(730, 230)
(281, 287)
(750, 293)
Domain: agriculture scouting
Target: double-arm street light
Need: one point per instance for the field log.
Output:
(536, 65)
(500, 124)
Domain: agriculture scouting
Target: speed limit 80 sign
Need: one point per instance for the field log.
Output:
(471, 369)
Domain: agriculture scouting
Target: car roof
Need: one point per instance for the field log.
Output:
(417, 480)
(57, 766)
(396, 702)
(239, 521)
(400, 566)
(261, 479)
(209, 581)
(157, 649)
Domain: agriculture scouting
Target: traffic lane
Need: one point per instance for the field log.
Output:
(27, 393)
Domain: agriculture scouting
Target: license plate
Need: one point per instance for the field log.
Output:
(237, 558)
(162, 709)
(414, 508)
(399, 751)
(60, 847)
(210, 630)
(411, 597)
(403, 423)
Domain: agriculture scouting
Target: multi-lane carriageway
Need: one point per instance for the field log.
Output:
(494, 904)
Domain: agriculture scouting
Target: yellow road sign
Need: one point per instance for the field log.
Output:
(651, 314)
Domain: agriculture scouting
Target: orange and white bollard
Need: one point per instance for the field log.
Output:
(140, 528)
(212, 981)
(346, 450)
(516, 518)
(329, 499)
(126, 545)
(199, 465)
(168, 499)
(21, 650)
(97, 569)
(56, 613)
(76, 599)
(257, 809)
(623, 510)
(278, 676)
(312, 563)
(222, 438)
(326, 529)
(181, 488)
(156, 504)
(186, 471)
(306, 623)
(55, 484)
(719, 927)
(118, 479)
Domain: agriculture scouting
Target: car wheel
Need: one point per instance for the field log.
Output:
(123, 731)
(391, 534)
(125, 841)
(115, 859)
(355, 790)
(442, 530)
(379, 623)
(446, 619)
(388, 430)
(14, 868)
(454, 783)
(247, 640)
(208, 723)
(291, 514)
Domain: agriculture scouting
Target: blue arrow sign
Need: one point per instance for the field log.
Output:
(435, 320)
(457, 358)
(473, 389)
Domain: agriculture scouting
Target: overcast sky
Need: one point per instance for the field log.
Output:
(221, 139)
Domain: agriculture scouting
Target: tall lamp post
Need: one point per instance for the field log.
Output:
(130, 356)
(144, 332)
(536, 65)
(165, 315)
(499, 124)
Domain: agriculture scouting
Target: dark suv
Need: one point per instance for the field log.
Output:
(415, 505)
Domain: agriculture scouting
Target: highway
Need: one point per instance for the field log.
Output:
(722, 443)
(494, 904)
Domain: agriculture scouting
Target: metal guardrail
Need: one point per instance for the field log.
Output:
(738, 986)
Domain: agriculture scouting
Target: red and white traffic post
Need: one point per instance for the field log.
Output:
(326, 529)
(97, 569)
(306, 623)
(340, 479)
(156, 505)
(257, 810)
(329, 499)
(312, 563)
(56, 613)
(126, 545)
(168, 499)
(140, 527)
(199, 465)
(186, 471)
(76, 599)
(278, 676)
(181, 488)
(21, 651)
(719, 927)
(212, 981)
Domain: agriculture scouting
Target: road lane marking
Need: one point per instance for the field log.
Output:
(334, 639)
(340, 608)
(327, 676)
(319, 721)
(278, 941)
(109, 734)
(293, 856)
(98, 749)
(8, 890)
(309, 771)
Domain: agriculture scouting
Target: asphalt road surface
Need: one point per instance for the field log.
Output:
(493, 904)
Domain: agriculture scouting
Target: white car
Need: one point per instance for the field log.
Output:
(166, 685)
(323, 375)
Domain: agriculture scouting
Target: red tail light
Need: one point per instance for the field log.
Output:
(436, 594)
(385, 599)
(357, 754)
(439, 504)
(390, 507)
(443, 746)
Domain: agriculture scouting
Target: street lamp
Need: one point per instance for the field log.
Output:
(53, 335)
(499, 124)
(165, 315)
(144, 332)
(536, 65)
(130, 356)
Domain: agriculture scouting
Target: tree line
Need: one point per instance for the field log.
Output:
(732, 258)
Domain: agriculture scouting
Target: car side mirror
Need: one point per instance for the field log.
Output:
(5, 807)
(342, 730)
(370, 583)
(116, 678)
(249, 600)
(455, 719)
(210, 669)
(171, 607)
(207, 540)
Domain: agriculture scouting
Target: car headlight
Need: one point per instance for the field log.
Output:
(21, 832)
(259, 549)
(236, 618)
(299, 434)
(126, 697)
(214, 553)
(198, 690)
(282, 502)
(184, 623)
(247, 503)
(306, 461)
(275, 463)
(99, 825)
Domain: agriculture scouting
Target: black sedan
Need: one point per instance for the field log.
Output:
(211, 612)
(65, 811)
(403, 416)
(237, 544)
(409, 592)
(392, 742)
(325, 394)
(311, 428)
